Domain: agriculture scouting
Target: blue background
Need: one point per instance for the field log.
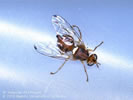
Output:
(25, 74)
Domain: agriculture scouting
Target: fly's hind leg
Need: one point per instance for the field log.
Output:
(85, 70)
(59, 67)
(80, 37)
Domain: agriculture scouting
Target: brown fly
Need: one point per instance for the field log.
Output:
(69, 46)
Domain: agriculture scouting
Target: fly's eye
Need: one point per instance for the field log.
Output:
(94, 60)
(95, 57)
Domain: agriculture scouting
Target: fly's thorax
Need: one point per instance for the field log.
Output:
(80, 53)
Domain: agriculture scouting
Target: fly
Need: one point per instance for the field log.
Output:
(69, 46)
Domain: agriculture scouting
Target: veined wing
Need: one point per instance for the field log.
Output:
(50, 50)
(62, 27)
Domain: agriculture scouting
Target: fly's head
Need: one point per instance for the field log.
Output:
(92, 59)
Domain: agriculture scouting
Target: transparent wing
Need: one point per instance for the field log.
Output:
(63, 27)
(49, 49)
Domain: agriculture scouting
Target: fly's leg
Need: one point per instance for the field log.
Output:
(97, 46)
(59, 67)
(90, 50)
(80, 37)
(85, 70)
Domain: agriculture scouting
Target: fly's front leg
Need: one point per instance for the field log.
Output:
(59, 67)
(85, 70)
(98, 46)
